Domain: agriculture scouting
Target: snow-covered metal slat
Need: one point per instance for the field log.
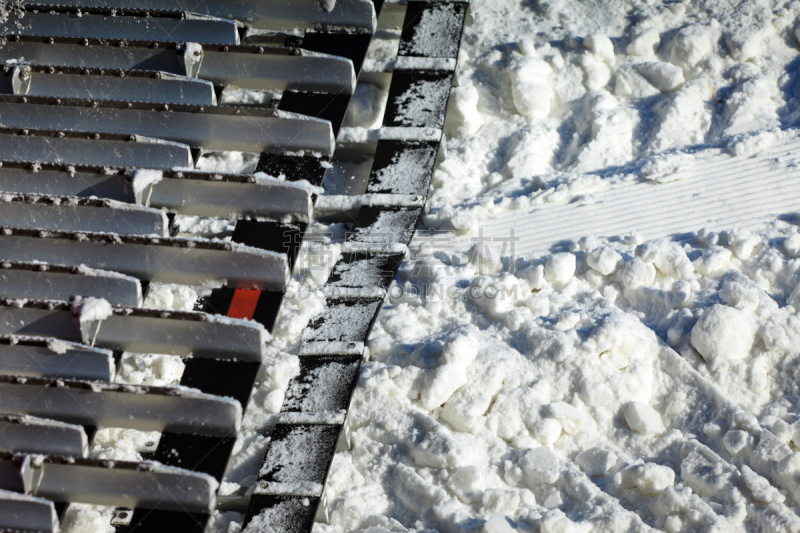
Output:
(137, 330)
(19, 512)
(276, 15)
(32, 149)
(130, 85)
(70, 213)
(266, 67)
(29, 434)
(149, 485)
(42, 357)
(43, 281)
(209, 128)
(164, 260)
(91, 25)
(183, 192)
(91, 403)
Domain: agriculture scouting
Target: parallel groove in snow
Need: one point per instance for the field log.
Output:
(718, 191)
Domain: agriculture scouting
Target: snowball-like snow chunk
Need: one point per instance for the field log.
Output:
(532, 100)
(83, 519)
(542, 465)
(604, 260)
(571, 418)
(663, 76)
(560, 267)
(643, 419)
(596, 461)
(440, 384)
(673, 261)
(466, 483)
(690, 46)
(534, 275)
(547, 430)
(735, 440)
(792, 244)
(649, 478)
(724, 332)
(143, 178)
(713, 259)
(92, 309)
(601, 46)
(530, 87)
(637, 273)
(498, 523)
(463, 117)
(644, 44)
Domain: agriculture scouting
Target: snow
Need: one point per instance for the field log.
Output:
(92, 309)
(141, 179)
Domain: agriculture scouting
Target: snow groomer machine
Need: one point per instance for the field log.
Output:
(107, 108)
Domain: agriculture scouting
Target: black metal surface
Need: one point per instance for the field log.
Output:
(208, 455)
(403, 167)
(295, 514)
(343, 320)
(357, 270)
(156, 521)
(325, 383)
(330, 107)
(316, 442)
(221, 377)
(386, 225)
(433, 29)
(293, 168)
(418, 98)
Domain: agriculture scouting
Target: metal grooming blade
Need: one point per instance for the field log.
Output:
(275, 15)
(29, 434)
(42, 357)
(99, 84)
(173, 27)
(122, 483)
(69, 213)
(198, 335)
(164, 260)
(209, 128)
(19, 512)
(92, 403)
(249, 67)
(31, 149)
